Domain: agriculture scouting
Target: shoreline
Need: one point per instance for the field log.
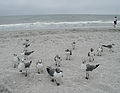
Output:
(17, 34)
(70, 29)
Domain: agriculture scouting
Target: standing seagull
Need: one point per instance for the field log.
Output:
(26, 54)
(90, 68)
(57, 60)
(26, 41)
(68, 53)
(39, 66)
(87, 68)
(16, 60)
(55, 74)
(26, 45)
(91, 55)
(109, 47)
(73, 45)
(99, 51)
(24, 66)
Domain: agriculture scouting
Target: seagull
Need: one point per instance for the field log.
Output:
(26, 45)
(39, 66)
(68, 53)
(16, 60)
(90, 68)
(91, 55)
(73, 45)
(57, 60)
(25, 52)
(109, 46)
(24, 66)
(55, 74)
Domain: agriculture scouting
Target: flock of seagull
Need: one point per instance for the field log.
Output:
(56, 73)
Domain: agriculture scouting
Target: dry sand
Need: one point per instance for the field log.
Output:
(48, 43)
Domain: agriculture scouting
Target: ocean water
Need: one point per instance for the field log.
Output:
(37, 22)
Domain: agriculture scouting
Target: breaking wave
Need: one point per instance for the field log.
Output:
(52, 25)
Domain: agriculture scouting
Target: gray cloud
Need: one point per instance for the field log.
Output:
(27, 7)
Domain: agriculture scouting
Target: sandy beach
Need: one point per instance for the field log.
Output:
(48, 43)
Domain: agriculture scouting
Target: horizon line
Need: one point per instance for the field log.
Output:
(58, 14)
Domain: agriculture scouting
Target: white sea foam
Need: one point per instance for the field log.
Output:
(56, 23)
(42, 25)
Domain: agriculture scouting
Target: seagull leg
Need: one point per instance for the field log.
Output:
(26, 73)
(56, 63)
(14, 66)
(69, 57)
(111, 50)
(93, 58)
(89, 59)
(57, 82)
(20, 70)
(38, 71)
(52, 80)
(87, 75)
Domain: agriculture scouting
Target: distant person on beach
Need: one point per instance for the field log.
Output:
(115, 22)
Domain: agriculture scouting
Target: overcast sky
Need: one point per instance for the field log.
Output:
(34, 7)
